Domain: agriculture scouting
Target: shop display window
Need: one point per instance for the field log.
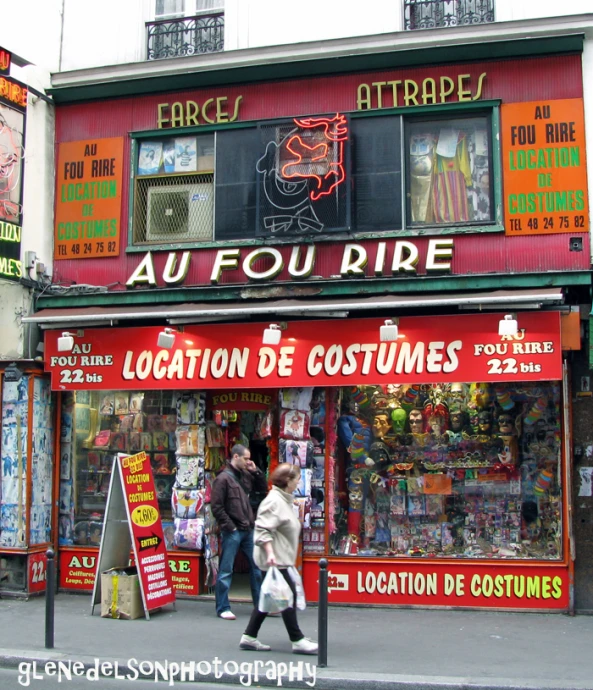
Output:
(103, 424)
(441, 470)
(452, 470)
(187, 443)
(449, 171)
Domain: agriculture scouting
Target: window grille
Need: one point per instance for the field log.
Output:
(174, 209)
(433, 14)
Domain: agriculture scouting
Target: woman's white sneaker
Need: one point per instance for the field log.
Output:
(248, 642)
(305, 646)
(227, 616)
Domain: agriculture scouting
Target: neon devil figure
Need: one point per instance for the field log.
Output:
(303, 166)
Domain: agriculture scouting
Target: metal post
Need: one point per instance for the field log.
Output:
(50, 586)
(322, 622)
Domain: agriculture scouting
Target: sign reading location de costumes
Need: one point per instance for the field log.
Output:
(132, 515)
(545, 170)
(311, 353)
(88, 198)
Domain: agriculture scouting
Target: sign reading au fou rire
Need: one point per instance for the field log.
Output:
(88, 198)
(402, 257)
(545, 169)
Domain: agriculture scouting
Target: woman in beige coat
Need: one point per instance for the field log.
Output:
(276, 538)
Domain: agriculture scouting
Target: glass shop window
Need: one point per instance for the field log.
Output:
(101, 425)
(449, 172)
(164, 9)
(452, 470)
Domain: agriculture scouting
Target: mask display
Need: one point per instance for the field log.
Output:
(447, 469)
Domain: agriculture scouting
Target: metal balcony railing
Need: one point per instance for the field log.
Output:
(433, 14)
(185, 36)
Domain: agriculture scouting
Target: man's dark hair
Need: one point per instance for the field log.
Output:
(238, 449)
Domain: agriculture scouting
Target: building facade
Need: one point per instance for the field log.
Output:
(310, 248)
(26, 246)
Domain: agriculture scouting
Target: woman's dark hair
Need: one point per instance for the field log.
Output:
(317, 494)
(283, 474)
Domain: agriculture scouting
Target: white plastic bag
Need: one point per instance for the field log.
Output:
(295, 576)
(275, 594)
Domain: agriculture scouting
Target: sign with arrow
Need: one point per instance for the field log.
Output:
(337, 581)
(133, 522)
(152, 542)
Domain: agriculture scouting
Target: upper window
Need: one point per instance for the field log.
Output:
(164, 9)
(302, 177)
(448, 172)
(306, 177)
(432, 14)
(174, 200)
(185, 27)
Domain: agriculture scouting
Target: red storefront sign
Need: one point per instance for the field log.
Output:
(241, 400)
(481, 253)
(428, 583)
(314, 353)
(147, 530)
(185, 573)
(77, 568)
(37, 579)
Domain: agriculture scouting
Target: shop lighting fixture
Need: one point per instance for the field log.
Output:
(272, 334)
(166, 338)
(66, 342)
(388, 332)
(508, 325)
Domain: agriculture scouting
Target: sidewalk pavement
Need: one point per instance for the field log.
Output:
(368, 648)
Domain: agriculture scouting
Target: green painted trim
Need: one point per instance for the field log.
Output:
(428, 109)
(187, 131)
(496, 168)
(305, 69)
(132, 190)
(318, 288)
(407, 233)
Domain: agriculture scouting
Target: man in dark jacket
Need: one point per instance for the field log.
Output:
(232, 509)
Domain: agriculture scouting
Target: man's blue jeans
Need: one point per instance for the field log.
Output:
(231, 543)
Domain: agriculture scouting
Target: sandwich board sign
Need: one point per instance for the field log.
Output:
(133, 523)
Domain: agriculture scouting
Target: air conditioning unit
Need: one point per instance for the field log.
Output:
(180, 213)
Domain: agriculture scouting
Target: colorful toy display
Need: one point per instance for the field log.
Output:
(446, 470)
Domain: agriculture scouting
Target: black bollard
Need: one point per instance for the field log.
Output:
(322, 622)
(50, 586)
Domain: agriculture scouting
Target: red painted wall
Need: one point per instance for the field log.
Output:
(512, 81)
(516, 80)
